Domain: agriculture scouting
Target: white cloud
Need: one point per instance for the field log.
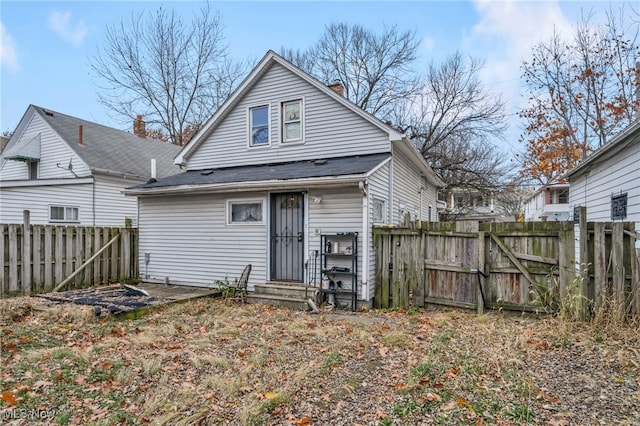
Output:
(428, 44)
(61, 24)
(504, 36)
(8, 54)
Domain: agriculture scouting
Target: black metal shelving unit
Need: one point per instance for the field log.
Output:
(339, 262)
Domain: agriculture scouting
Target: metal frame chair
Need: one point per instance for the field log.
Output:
(239, 289)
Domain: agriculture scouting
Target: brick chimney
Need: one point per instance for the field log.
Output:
(337, 87)
(139, 128)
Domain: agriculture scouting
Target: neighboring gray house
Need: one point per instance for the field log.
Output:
(607, 182)
(71, 171)
(548, 203)
(285, 160)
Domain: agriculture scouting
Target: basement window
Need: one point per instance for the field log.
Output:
(64, 214)
(619, 206)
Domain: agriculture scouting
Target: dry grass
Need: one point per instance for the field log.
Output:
(214, 363)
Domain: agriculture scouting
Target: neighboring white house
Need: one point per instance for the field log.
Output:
(285, 160)
(65, 170)
(607, 182)
(549, 203)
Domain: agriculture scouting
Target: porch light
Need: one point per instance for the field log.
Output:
(317, 199)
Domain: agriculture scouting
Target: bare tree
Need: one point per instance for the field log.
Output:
(581, 91)
(375, 70)
(453, 121)
(175, 73)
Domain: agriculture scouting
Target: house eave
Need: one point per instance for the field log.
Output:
(617, 144)
(265, 185)
(45, 182)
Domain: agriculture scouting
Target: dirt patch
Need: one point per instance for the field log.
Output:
(207, 362)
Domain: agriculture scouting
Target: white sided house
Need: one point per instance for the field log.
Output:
(549, 203)
(283, 163)
(607, 182)
(65, 170)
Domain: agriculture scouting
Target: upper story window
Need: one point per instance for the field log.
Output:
(563, 196)
(259, 125)
(33, 169)
(63, 214)
(292, 121)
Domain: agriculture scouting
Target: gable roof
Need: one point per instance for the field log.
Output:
(321, 171)
(252, 79)
(621, 141)
(108, 150)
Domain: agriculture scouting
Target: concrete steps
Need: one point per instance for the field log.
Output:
(282, 294)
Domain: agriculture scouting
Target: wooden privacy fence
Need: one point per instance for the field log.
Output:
(515, 266)
(37, 258)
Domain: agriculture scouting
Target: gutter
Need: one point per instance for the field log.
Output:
(349, 180)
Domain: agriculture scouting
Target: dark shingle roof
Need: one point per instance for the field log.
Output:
(108, 149)
(340, 166)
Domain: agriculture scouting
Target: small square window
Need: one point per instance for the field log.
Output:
(292, 121)
(259, 125)
(245, 212)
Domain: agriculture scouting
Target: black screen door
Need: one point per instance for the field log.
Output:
(287, 237)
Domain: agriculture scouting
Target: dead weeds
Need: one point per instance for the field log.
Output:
(207, 362)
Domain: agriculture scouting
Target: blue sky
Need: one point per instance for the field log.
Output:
(45, 46)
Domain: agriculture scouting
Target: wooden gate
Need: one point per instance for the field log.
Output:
(471, 265)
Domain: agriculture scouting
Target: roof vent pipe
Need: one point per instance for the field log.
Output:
(80, 135)
(153, 168)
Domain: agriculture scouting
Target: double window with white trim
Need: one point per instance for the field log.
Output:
(64, 214)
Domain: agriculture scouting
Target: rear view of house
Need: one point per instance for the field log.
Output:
(66, 170)
(288, 176)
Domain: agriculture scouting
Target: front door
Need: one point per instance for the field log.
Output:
(287, 237)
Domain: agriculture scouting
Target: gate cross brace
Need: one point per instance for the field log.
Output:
(539, 287)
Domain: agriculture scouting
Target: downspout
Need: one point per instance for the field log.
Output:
(93, 199)
(366, 231)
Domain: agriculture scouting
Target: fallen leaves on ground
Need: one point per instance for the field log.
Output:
(208, 362)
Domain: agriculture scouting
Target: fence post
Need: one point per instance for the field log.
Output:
(481, 273)
(599, 264)
(617, 261)
(2, 261)
(584, 264)
(26, 252)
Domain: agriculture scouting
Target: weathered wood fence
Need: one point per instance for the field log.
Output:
(530, 266)
(36, 258)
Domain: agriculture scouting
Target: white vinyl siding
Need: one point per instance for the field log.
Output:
(411, 193)
(112, 206)
(55, 155)
(38, 199)
(330, 129)
(379, 185)
(339, 211)
(613, 176)
(189, 242)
